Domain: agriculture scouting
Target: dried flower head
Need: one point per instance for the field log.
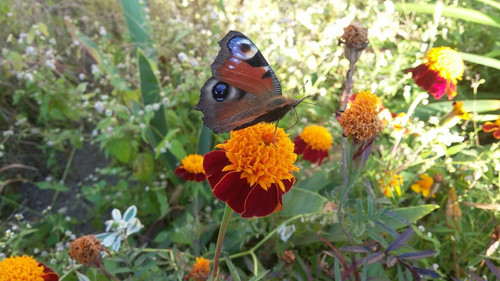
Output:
(355, 35)
(86, 250)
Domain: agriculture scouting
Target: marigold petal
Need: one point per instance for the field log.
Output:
(489, 127)
(451, 90)
(261, 203)
(213, 163)
(233, 190)
(300, 145)
(416, 188)
(496, 134)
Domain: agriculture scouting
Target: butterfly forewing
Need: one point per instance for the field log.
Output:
(244, 90)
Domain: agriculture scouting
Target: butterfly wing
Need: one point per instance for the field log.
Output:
(244, 90)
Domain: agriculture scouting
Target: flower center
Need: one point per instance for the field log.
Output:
(21, 268)
(446, 62)
(253, 153)
(193, 163)
(317, 137)
(361, 120)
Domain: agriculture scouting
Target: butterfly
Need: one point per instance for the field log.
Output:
(243, 90)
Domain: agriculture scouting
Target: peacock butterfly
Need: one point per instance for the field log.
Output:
(243, 90)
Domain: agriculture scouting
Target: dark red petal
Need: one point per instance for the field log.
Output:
(49, 273)
(233, 190)
(180, 171)
(288, 185)
(300, 145)
(213, 163)
(429, 80)
(496, 134)
(260, 202)
(200, 177)
(489, 127)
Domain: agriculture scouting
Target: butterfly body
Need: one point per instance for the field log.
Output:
(243, 90)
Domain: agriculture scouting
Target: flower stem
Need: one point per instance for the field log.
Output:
(228, 212)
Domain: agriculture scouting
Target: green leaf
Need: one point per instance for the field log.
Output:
(205, 140)
(150, 88)
(52, 185)
(177, 149)
(121, 149)
(259, 276)
(409, 215)
(478, 59)
(144, 167)
(232, 269)
(455, 149)
(138, 26)
(300, 201)
(469, 15)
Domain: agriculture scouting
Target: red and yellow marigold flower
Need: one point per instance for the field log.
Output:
(459, 111)
(424, 185)
(439, 73)
(494, 127)
(252, 170)
(200, 270)
(191, 168)
(313, 143)
(25, 268)
(361, 124)
(394, 184)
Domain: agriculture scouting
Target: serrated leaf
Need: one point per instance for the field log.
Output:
(417, 255)
(427, 272)
(259, 276)
(401, 240)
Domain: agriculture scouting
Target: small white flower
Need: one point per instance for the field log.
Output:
(193, 62)
(435, 266)
(29, 76)
(102, 31)
(50, 64)
(9, 233)
(59, 247)
(453, 238)
(156, 106)
(37, 32)
(148, 108)
(2, 256)
(76, 43)
(109, 112)
(36, 251)
(53, 261)
(9, 14)
(52, 41)
(182, 57)
(421, 228)
(50, 143)
(429, 234)
(140, 112)
(146, 188)
(2, 245)
(99, 107)
(109, 130)
(121, 65)
(81, 76)
(8, 133)
(68, 233)
(19, 216)
(30, 50)
(94, 69)
(142, 126)
(165, 101)
(285, 231)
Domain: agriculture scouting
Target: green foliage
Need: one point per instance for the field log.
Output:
(96, 113)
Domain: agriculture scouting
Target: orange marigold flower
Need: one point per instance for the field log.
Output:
(200, 270)
(424, 185)
(459, 111)
(191, 168)
(439, 73)
(252, 170)
(360, 120)
(493, 127)
(87, 250)
(395, 183)
(313, 143)
(25, 268)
